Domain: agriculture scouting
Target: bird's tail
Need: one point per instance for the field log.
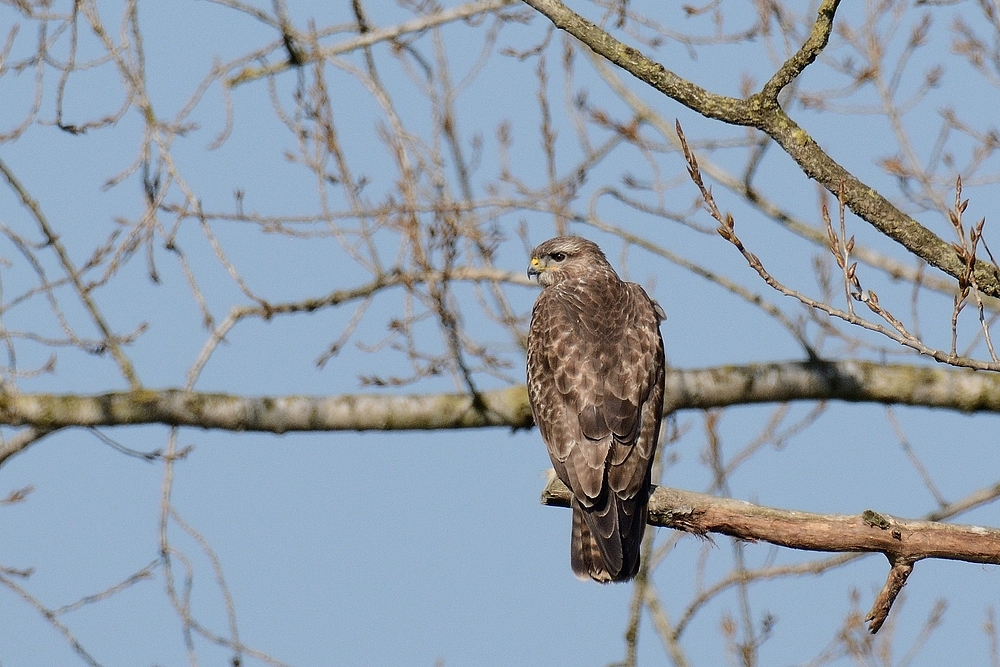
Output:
(616, 556)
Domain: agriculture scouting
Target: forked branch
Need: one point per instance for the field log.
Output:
(902, 541)
(763, 112)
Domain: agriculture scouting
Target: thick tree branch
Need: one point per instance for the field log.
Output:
(902, 541)
(853, 381)
(763, 112)
(719, 107)
(869, 531)
(897, 269)
(175, 407)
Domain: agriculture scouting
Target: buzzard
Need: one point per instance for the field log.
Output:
(595, 382)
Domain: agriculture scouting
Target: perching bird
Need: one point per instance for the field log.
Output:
(595, 382)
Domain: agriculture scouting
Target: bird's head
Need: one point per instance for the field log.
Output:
(565, 257)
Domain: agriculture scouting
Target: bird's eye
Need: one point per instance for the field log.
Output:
(558, 256)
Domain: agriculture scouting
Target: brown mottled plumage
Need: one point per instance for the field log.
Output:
(595, 381)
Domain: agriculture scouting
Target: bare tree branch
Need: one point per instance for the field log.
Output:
(506, 407)
(111, 340)
(368, 38)
(898, 574)
(416, 197)
(902, 541)
(21, 441)
(763, 112)
(977, 498)
(853, 381)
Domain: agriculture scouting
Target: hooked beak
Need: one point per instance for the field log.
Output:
(534, 269)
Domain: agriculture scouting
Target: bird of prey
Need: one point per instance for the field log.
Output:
(595, 381)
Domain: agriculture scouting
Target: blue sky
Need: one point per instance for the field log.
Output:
(415, 548)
